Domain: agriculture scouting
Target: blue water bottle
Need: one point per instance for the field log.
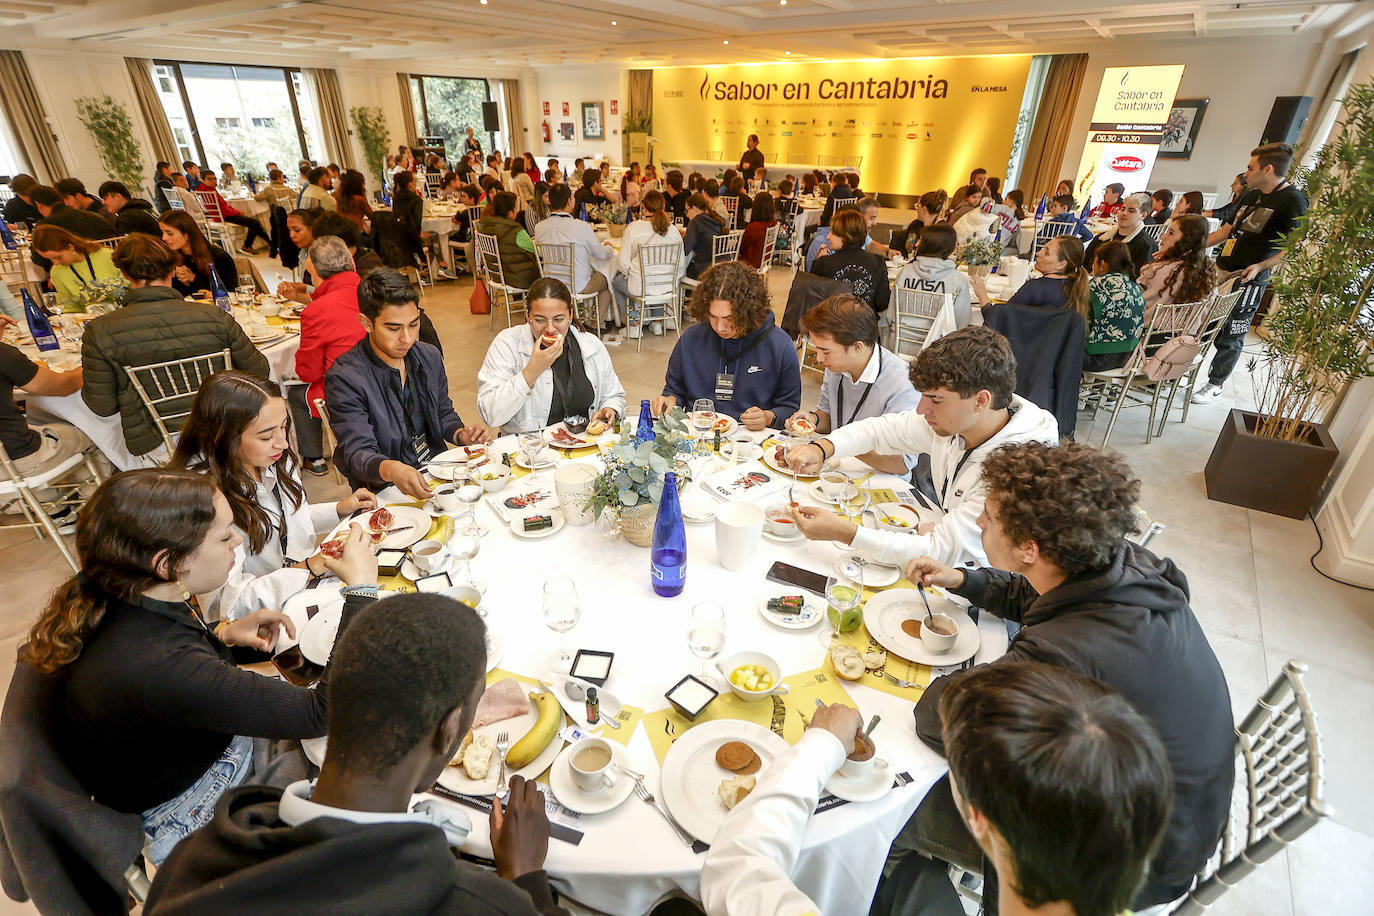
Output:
(252, 183)
(1040, 210)
(668, 558)
(43, 337)
(220, 294)
(645, 431)
(7, 237)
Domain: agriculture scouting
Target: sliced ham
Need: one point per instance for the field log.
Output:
(503, 700)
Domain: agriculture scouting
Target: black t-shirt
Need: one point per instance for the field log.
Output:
(16, 370)
(751, 159)
(1261, 220)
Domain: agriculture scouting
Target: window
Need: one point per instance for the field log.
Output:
(245, 115)
(446, 106)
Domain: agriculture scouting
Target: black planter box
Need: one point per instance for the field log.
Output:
(1270, 475)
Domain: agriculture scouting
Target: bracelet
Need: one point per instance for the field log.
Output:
(219, 629)
(360, 591)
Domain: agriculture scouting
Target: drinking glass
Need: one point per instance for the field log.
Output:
(857, 497)
(246, 291)
(844, 592)
(703, 415)
(531, 444)
(561, 613)
(469, 493)
(706, 634)
(464, 548)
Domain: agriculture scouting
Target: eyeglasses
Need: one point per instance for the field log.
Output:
(559, 322)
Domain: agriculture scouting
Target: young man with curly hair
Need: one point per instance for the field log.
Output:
(734, 353)
(1054, 524)
(968, 407)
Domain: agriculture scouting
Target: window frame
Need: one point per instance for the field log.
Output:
(287, 78)
(417, 79)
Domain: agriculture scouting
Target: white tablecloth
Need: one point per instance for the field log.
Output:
(806, 216)
(256, 209)
(629, 856)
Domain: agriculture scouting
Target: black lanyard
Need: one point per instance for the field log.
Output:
(839, 395)
(281, 529)
(944, 491)
(78, 276)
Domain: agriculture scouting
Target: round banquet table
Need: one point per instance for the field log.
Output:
(255, 209)
(629, 857)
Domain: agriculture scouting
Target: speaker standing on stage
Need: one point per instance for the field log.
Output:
(751, 159)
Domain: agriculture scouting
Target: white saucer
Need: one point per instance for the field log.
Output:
(812, 613)
(796, 538)
(817, 493)
(876, 575)
(583, 802)
(549, 461)
(517, 525)
(873, 786)
(412, 572)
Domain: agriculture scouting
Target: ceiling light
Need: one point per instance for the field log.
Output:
(613, 22)
(483, 2)
(788, 53)
(726, 41)
(782, 2)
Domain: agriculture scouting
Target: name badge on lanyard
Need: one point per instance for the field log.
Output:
(725, 386)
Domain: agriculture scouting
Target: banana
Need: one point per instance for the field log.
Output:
(538, 737)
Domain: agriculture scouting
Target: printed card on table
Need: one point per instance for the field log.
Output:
(528, 493)
(751, 481)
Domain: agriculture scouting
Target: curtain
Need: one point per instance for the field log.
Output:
(1049, 137)
(408, 125)
(641, 103)
(28, 120)
(515, 115)
(164, 145)
(333, 117)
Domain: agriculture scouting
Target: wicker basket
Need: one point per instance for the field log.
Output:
(637, 524)
(616, 229)
(979, 270)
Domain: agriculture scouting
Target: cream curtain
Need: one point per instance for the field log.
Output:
(164, 145)
(641, 102)
(333, 117)
(28, 120)
(409, 130)
(515, 115)
(1049, 137)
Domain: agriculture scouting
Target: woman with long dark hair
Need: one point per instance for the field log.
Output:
(1181, 270)
(82, 271)
(239, 436)
(1063, 283)
(928, 210)
(654, 227)
(198, 256)
(157, 718)
(548, 369)
(762, 217)
(1115, 311)
(352, 198)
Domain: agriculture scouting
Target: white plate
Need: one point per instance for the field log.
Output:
(698, 506)
(267, 336)
(456, 778)
(796, 538)
(730, 426)
(418, 519)
(769, 450)
(315, 749)
(517, 525)
(750, 451)
(465, 453)
(692, 778)
(318, 635)
(818, 493)
(873, 785)
(898, 511)
(584, 440)
(598, 802)
(297, 608)
(883, 616)
(546, 459)
(876, 575)
(812, 612)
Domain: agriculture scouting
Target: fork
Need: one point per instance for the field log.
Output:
(643, 792)
(897, 682)
(502, 746)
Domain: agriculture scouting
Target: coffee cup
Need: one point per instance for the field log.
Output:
(778, 518)
(738, 529)
(863, 759)
(939, 633)
(590, 763)
(833, 483)
(430, 555)
(270, 307)
(446, 498)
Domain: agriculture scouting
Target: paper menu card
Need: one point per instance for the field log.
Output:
(785, 715)
(523, 497)
(752, 481)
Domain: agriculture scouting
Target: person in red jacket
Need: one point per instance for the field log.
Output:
(210, 183)
(329, 326)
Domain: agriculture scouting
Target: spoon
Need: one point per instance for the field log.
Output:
(575, 691)
(920, 587)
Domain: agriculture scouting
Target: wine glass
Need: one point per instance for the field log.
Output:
(844, 592)
(856, 498)
(464, 548)
(246, 290)
(469, 493)
(706, 634)
(561, 613)
(703, 415)
(531, 444)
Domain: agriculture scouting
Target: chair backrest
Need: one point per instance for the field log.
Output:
(166, 388)
(555, 261)
(725, 247)
(209, 202)
(191, 204)
(913, 314)
(786, 210)
(731, 206)
(434, 182)
(658, 270)
(1280, 787)
(1046, 230)
(1216, 317)
(1154, 230)
(1168, 343)
(715, 155)
(173, 197)
(112, 242)
(491, 262)
(246, 268)
(770, 244)
(327, 432)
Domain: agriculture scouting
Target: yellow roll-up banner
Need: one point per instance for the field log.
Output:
(1128, 122)
(909, 126)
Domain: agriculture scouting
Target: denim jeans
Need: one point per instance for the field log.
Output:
(174, 820)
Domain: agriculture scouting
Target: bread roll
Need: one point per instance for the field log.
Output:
(849, 664)
(735, 789)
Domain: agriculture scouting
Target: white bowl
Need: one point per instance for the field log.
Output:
(940, 642)
(500, 480)
(760, 660)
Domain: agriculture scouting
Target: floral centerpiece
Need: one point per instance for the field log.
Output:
(632, 483)
(102, 295)
(979, 254)
(613, 214)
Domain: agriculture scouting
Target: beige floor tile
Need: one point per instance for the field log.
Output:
(1264, 892)
(1330, 869)
(1314, 618)
(1243, 663)
(1289, 536)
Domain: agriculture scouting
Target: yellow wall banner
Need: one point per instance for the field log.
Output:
(918, 123)
(1132, 107)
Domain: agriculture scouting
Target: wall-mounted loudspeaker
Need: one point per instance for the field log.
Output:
(491, 122)
(1286, 119)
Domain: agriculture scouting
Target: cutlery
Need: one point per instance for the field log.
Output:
(872, 724)
(897, 682)
(920, 587)
(643, 792)
(603, 720)
(502, 746)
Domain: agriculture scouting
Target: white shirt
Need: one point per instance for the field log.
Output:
(503, 398)
(296, 808)
(957, 473)
(747, 869)
(640, 233)
(262, 579)
(888, 391)
(588, 251)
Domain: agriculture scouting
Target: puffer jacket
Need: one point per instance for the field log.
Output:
(155, 325)
(517, 264)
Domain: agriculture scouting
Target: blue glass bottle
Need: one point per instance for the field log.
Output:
(7, 237)
(645, 431)
(221, 295)
(43, 337)
(252, 184)
(668, 558)
(1040, 210)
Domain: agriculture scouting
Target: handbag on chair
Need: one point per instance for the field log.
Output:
(479, 303)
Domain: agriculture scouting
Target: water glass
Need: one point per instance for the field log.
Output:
(844, 592)
(703, 415)
(464, 548)
(857, 497)
(562, 610)
(531, 444)
(706, 634)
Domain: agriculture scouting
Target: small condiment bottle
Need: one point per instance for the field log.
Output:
(716, 446)
(593, 707)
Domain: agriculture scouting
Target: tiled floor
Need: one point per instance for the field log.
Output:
(1253, 588)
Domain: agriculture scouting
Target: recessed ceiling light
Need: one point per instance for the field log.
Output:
(726, 41)
(782, 2)
(788, 53)
(613, 22)
(483, 2)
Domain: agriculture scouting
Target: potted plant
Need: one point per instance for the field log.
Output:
(113, 131)
(1277, 458)
(979, 254)
(370, 126)
(614, 215)
(632, 482)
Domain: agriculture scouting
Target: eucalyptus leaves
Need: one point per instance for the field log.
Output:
(113, 131)
(634, 470)
(979, 252)
(614, 213)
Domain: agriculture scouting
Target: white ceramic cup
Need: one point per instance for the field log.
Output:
(446, 498)
(738, 529)
(858, 769)
(778, 518)
(602, 777)
(430, 555)
(573, 484)
(833, 483)
(940, 642)
(270, 307)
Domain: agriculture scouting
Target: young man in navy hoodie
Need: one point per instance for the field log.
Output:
(735, 354)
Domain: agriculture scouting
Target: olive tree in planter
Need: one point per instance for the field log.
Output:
(113, 132)
(370, 126)
(1319, 342)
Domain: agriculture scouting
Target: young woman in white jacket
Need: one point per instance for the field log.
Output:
(536, 374)
(655, 228)
(238, 435)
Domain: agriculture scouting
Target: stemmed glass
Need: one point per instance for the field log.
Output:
(531, 444)
(469, 493)
(706, 634)
(465, 547)
(245, 292)
(844, 592)
(857, 495)
(703, 415)
(562, 610)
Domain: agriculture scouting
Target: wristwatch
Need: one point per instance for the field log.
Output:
(361, 591)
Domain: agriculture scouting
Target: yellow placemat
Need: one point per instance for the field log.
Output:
(900, 668)
(784, 715)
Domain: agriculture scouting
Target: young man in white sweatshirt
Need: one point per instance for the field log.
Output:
(967, 410)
